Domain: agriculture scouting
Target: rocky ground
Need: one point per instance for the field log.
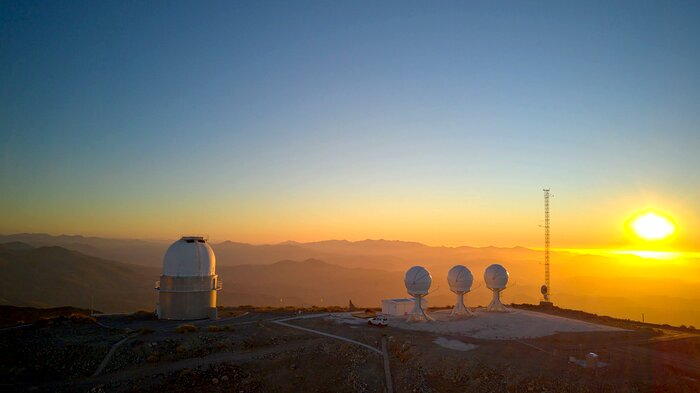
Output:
(59, 348)
(246, 351)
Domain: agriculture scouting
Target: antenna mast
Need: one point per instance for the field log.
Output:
(547, 289)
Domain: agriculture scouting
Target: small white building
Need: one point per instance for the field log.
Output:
(400, 307)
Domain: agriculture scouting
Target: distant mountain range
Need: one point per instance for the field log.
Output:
(53, 276)
(118, 275)
(381, 254)
(133, 251)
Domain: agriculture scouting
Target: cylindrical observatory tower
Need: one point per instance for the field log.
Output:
(460, 280)
(187, 288)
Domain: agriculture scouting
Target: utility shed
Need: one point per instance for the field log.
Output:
(400, 306)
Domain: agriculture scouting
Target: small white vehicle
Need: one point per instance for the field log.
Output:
(379, 320)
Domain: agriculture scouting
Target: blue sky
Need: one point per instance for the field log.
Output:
(119, 115)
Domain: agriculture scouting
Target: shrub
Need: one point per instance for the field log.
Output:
(186, 328)
(81, 318)
(221, 328)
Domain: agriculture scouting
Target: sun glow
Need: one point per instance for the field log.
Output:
(652, 226)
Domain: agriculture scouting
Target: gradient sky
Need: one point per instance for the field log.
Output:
(437, 122)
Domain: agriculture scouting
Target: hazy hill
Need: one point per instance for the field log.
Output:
(373, 254)
(310, 282)
(232, 253)
(55, 276)
(366, 271)
(134, 251)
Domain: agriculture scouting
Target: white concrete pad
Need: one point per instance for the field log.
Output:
(347, 319)
(454, 344)
(516, 324)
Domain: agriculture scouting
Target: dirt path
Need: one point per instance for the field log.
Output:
(150, 369)
(16, 327)
(636, 349)
(387, 368)
(111, 352)
(281, 322)
(680, 362)
(114, 348)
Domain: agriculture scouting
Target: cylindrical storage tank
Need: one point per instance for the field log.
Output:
(188, 285)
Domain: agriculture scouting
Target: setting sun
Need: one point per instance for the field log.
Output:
(652, 226)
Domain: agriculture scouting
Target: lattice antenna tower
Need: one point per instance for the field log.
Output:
(547, 291)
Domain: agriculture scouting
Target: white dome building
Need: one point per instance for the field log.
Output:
(187, 288)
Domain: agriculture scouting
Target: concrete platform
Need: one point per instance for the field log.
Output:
(516, 324)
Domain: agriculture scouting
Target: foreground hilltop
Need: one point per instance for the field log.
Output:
(262, 350)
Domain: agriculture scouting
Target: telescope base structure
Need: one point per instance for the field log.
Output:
(460, 310)
(496, 305)
(187, 298)
(417, 314)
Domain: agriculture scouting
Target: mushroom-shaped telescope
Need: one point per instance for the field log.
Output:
(417, 281)
(496, 278)
(460, 280)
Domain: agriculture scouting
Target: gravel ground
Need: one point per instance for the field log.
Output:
(58, 349)
(259, 356)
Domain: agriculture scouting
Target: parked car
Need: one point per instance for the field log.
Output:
(377, 321)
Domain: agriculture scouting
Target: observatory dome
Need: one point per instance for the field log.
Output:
(418, 280)
(460, 279)
(496, 277)
(190, 256)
